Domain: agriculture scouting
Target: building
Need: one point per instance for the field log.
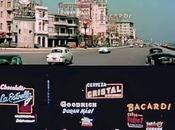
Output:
(92, 16)
(120, 29)
(62, 30)
(6, 16)
(41, 26)
(23, 23)
(125, 31)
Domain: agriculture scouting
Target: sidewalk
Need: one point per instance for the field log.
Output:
(48, 49)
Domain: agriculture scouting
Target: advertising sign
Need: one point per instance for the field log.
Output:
(90, 98)
(104, 90)
(19, 96)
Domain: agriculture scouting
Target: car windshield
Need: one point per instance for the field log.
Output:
(156, 50)
(57, 51)
(4, 62)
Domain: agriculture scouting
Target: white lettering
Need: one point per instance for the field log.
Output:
(15, 87)
(77, 104)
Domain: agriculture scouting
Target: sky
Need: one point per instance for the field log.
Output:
(153, 19)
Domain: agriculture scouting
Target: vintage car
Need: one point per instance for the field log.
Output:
(10, 60)
(155, 50)
(160, 59)
(104, 50)
(60, 55)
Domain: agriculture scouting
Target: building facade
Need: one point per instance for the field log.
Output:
(125, 31)
(120, 29)
(6, 16)
(92, 16)
(63, 30)
(41, 26)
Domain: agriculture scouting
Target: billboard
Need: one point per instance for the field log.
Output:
(87, 98)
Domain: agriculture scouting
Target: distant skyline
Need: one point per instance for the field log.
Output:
(153, 19)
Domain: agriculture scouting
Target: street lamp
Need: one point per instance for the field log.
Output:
(85, 35)
(9, 33)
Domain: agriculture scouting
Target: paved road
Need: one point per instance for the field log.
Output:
(118, 56)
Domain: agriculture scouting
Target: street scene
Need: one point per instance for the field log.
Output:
(119, 56)
(76, 33)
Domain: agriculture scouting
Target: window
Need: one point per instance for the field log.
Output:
(43, 26)
(50, 29)
(63, 30)
(8, 4)
(57, 51)
(70, 21)
(1, 26)
(39, 40)
(1, 14)
(70, 31)
(1, 3)
(39, 26)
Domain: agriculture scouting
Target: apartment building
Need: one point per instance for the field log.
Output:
(125, 30)
(92, 17)
(62, 30)
(6, 15)
(41, 26)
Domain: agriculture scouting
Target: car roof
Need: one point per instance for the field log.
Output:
(8, 56)
(162, 54)
(155, 48)
(60, 48)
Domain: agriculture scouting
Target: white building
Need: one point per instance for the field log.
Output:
(62, 30)
(125, 31)
(6, 15)
(41, 26)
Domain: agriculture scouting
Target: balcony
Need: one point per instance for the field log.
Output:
(72, 24)
(9, 9)
(61, 23)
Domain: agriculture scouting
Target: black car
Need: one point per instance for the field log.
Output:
(155, 50)
(160, 59)
(10, 60)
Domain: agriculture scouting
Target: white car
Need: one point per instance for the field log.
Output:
(104, 50)
(60, 55)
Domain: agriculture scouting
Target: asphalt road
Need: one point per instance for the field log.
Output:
(91, 57)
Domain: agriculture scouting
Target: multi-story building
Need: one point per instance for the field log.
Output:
(92, 16)
(6, 15)
(62, 30)
(23, 23)
(125, 30)
(120, 29)
(41, 26)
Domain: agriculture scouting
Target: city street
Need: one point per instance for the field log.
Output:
(90, 56)
(118, 56)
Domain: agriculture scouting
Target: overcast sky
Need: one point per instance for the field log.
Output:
(153, 18)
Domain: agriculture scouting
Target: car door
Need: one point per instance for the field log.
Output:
(68, 54)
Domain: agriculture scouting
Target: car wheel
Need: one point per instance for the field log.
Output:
(49, 63)
(66, 62)
(152, 62)
(71, 60)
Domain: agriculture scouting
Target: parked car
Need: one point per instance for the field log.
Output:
(104, 50)
(160, 59)
(155, 50)
(10, 60)
(60, 55)
(141, 45)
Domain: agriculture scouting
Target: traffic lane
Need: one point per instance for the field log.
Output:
(118, 56)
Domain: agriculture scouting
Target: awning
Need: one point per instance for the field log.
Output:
(2, 34)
